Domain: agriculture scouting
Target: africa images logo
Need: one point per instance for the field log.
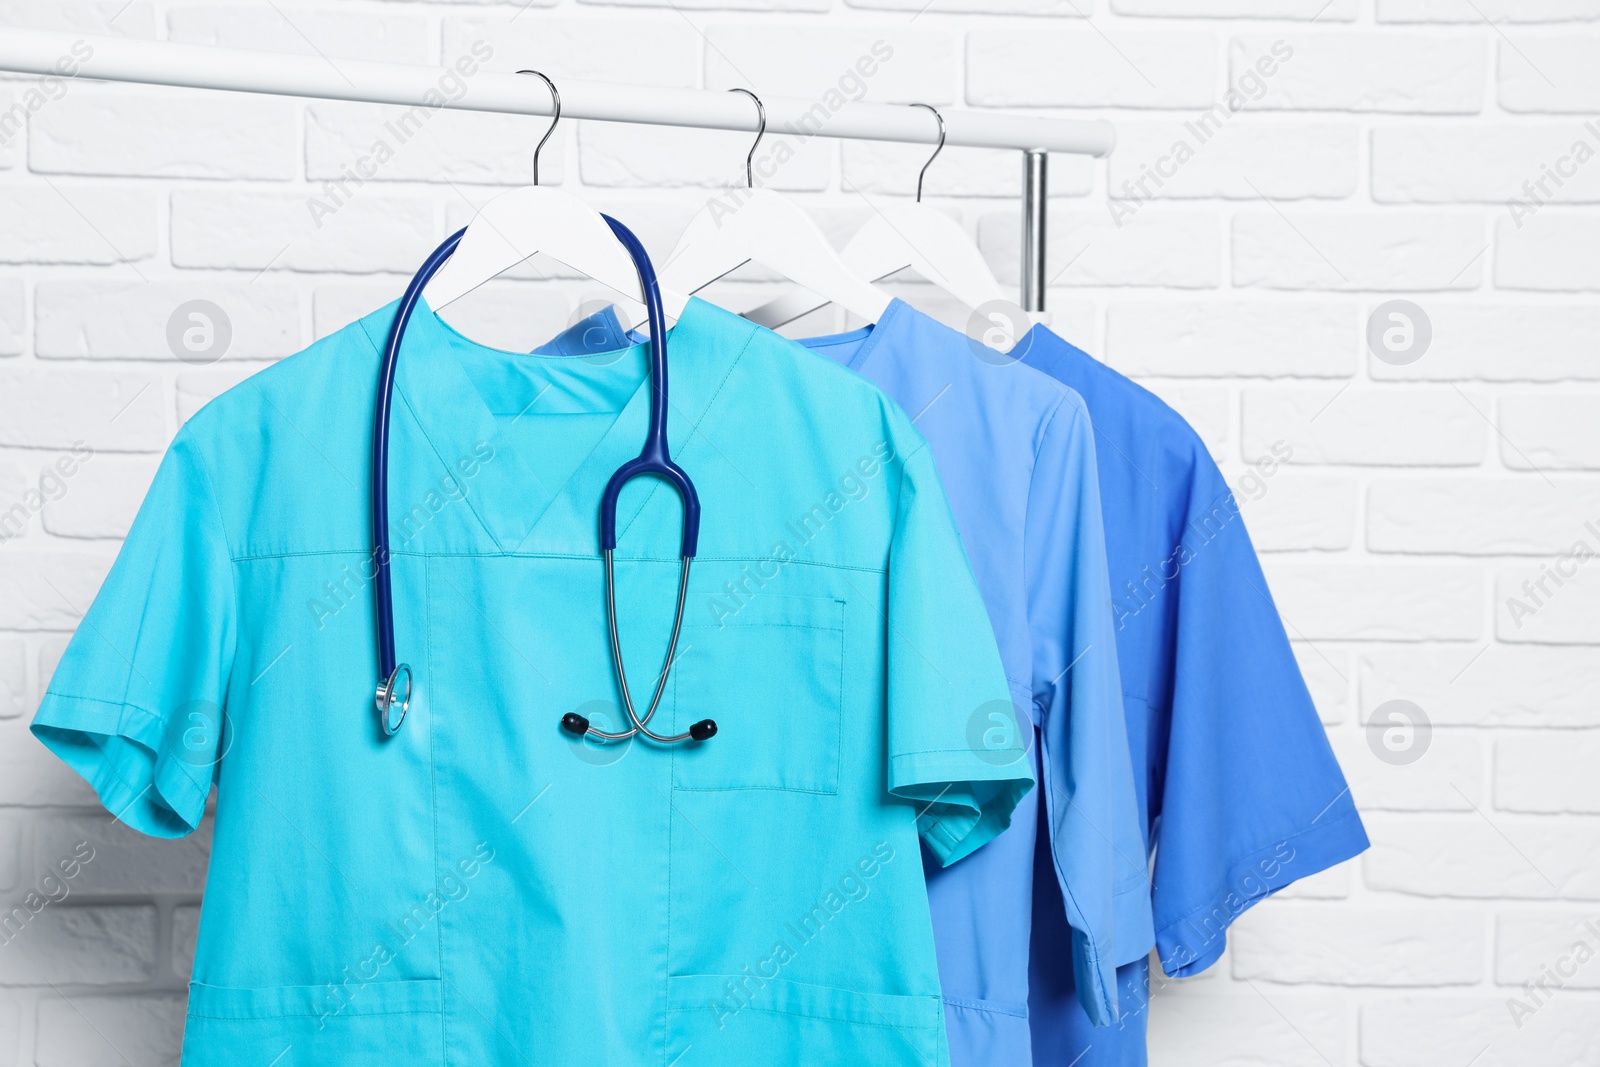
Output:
(854, 886)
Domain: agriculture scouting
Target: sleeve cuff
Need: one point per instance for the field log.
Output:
(1096, 978)
(1133, 933)
(963, 802)
(118, 749)
(1194, 942)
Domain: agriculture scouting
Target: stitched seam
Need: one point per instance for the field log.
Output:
(830, 1018)
(108, 703)
(574, 556)
(107, 770)
(754, 788)
(1068, 894)
(315, 1015)
(434, 448)
(987, 1006)
(837, 606)
(947, 752)
(838, 700)
(766, 624)
(433, 786)
(666, 977)
(1044, 431)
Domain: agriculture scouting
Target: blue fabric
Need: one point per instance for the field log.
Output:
(1016, 454)
(483, 888)
(1238, 790)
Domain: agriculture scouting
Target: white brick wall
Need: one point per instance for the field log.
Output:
(1287, 168)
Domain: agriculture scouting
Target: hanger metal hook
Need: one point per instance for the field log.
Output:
(761, 131)
(556, 96)
(924, 172)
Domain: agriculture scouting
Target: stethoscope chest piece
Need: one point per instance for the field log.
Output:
(389, 698)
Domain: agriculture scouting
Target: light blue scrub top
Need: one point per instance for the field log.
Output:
(482, 888)
(1239, 791)
(1016, 454)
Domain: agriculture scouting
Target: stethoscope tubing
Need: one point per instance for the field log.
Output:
(654, 460)
(389, 671)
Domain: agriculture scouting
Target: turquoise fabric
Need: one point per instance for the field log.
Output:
(1017, 455)
(482, 888)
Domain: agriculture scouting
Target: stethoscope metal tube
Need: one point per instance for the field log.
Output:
(654, 460)
(577, 724)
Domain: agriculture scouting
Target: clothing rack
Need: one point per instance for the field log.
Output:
(240, 70)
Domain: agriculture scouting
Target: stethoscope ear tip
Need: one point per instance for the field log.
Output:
(578, 726)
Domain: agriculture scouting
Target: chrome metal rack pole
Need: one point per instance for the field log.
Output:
(1035, 206)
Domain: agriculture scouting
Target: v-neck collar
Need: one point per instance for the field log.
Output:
(870, 337)
(518, 512)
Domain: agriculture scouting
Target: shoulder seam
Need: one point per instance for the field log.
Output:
(1044, 427)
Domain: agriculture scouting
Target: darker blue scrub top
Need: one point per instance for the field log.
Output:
(1239, 791)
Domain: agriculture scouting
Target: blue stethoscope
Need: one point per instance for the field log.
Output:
(653, 461)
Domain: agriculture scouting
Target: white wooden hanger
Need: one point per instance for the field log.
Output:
(776, 233)
(900, 236)
(515, 225)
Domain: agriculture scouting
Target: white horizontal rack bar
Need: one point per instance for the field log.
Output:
(47, 53)
(286, 74)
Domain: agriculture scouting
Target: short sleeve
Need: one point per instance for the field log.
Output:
(1096, 845)
(1253, 798)
(954, 743)
(136, 704)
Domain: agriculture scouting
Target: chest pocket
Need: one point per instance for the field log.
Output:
(772, 676)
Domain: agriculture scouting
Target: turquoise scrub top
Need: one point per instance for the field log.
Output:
(483, 888)
(1016, 453)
